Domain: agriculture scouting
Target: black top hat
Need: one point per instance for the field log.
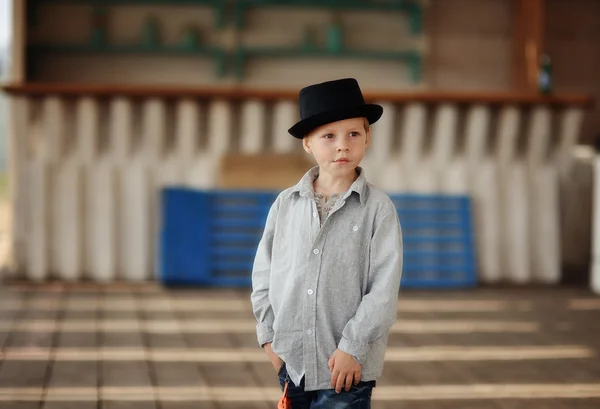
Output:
(332, 101)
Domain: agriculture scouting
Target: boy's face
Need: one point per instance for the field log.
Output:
(339, 147)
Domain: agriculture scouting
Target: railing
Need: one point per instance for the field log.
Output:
(210, 238)
(88, 162)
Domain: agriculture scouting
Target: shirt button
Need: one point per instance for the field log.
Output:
(309, 332)
(316, 251)
(355, 228)
(310, 292)
(314, 214)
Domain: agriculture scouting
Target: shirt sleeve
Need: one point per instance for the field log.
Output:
(377, 311)
(261, 272)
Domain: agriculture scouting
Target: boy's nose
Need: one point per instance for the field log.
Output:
(343, 146)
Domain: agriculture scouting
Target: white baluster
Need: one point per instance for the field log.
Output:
(121, 130)
(392, 176)
(67, 190)
(413, 135)
(53, 111)
(67, 212)
(516, 208)
(169, 171)
(56, 124)
(43, 224)
(455, 173)
(571, 120)
(220, 118)
(539, 137)
(544, 267)
(98, 244)
(285, 114)
(103, 212)
(37, 231)
(133, 183)
(444, 143)
(66, 207)
(18, 132)
(87, 126)
(508, 129)
(188, 131)
(101, 221)
(200, 175)
(252, 128)
(380, 151)
(37, 176)
(576, 193)
(204, 173)
(548, 250)
(383, 132)
(570, 128)
(444, 134)
(424, 179)
(487, 220)
(135, 221)
(508, 133)
(482, 183)
(476, 137)
(456, 177)
(153, 130)
(393, 179)
(595, 267)
(141, 181)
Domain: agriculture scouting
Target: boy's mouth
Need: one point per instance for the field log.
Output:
(342, 160)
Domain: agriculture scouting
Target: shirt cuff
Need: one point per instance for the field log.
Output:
(356, 349)
(264, 333)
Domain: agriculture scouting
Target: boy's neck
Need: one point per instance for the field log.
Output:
(327, 184)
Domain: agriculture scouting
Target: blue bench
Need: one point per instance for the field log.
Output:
(209, 238)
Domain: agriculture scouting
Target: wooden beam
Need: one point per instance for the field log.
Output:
(268, 94)
(17, 71)
(528, 35)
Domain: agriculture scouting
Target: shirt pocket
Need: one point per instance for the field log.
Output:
(350, 243)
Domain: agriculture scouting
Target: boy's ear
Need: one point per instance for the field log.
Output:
(368, 139)
(306, 144)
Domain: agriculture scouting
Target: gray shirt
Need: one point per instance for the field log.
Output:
(315, 289)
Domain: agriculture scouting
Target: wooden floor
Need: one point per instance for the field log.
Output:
(120, 347)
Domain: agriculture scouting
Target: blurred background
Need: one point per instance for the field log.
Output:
(143, 141)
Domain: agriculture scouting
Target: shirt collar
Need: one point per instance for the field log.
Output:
(305, 187)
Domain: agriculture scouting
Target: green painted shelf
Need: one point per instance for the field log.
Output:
(412, 8)
(413, 58)
(141, 2)
(237, 60)
(215, 52)
(219, 6)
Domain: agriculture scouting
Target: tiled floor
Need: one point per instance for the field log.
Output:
(120, 347)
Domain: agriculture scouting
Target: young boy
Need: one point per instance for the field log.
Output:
(327, 270)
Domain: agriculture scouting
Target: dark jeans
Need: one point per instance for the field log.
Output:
(359, 397)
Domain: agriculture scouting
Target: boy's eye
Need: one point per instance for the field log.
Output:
(354, 133)
(328, 136)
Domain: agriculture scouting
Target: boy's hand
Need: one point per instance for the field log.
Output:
(345, 371)
(275, 360)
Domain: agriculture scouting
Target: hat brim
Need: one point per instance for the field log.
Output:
(302, 128)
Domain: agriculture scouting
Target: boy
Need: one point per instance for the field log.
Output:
(327, 270)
